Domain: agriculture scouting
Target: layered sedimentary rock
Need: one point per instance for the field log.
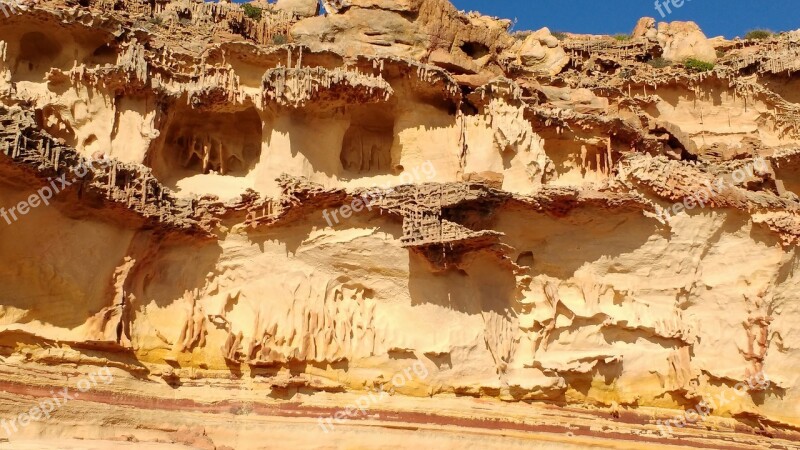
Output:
(265, 227)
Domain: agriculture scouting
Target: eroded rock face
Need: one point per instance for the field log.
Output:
(539, 53)
(682, 40)
(299, 8)
(221, 230)
(679, 40)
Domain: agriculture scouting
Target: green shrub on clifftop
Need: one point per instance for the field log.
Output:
(697, 66)
(758, 34)
(251, 11)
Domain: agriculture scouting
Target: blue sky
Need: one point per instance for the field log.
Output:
(729, 18)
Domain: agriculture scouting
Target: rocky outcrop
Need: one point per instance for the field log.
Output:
(298, 8)
(682, 40)
(539, 52)
(679, 40)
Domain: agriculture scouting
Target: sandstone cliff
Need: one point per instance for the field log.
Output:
(389, 222)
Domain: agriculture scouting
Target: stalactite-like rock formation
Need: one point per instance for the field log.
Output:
(250, 219)
(297, 86)
(33, 155)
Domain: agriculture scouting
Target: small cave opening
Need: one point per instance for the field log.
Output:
(367, 143)
(685, 155)
(102, 55)
(525, 259)
(508, 155)
(475, 50)
(185, 16)
(788, 177)
(202, 142)
(467, 108)
(785, 85)
(474, 215)
(677, 144)
(37, 55)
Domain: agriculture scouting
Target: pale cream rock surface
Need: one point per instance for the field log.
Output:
(683, 40)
